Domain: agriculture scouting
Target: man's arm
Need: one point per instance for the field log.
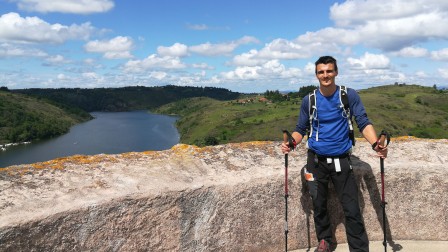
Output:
(363, 122)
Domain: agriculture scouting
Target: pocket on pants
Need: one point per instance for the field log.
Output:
(311, 183)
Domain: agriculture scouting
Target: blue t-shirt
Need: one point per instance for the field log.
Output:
(330, 134)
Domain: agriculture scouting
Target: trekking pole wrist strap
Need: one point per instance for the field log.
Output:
(287, 137)
(294, 143)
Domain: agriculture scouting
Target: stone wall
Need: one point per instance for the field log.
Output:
(221, 198)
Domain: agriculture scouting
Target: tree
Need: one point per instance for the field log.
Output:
(274, 96)
(303, 91)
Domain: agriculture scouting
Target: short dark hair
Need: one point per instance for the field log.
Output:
(326, 60)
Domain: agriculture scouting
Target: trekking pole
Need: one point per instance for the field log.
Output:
(383, 140)
(287, 138)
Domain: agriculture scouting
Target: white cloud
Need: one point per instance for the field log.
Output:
(116, 48)
(89, 61)
(14, 28)
(421, 74)
(248, 59)
(62, 77)
(158, 75)
(310, 69)
(247, 40)
(243, 73)
(272, 69)
(328, 38)
(443, 72)
(55, 60)
(93, 77)
(356, 12)
(389, 25)
(66, 6)
(176, 50)
(440, 54)
(412, 52)
(9, 50)
(280, 49)
(283, 49)
(153, 62)
(202, 66)
(203, 27)
(370, 61)
(209, 49)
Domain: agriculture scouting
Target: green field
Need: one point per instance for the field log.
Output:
(402, 110)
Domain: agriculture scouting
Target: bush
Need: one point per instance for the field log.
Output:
(211, 140)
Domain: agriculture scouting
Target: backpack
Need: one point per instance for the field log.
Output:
(343, 98)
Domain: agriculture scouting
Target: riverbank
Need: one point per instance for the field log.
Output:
(5, 147)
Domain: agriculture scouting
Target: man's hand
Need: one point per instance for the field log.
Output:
(380, 146)
(285, 148)
(381, 151)
(288, 142)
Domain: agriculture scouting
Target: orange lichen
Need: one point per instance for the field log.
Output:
(59, 163)
(254, 143)
(184, 148)
(84, 159)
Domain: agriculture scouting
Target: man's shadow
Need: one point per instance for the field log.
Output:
(366, 181)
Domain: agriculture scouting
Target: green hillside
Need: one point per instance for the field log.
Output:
(125, 98)
(23, 118)
(408, 110)
(400, 109)
(207, 121)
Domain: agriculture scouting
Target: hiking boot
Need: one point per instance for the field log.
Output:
(324, 246)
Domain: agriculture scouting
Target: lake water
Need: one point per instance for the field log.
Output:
(109, 133)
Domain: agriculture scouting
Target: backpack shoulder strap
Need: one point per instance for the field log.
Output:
(312, 109)
(312, 103)
(343, 97)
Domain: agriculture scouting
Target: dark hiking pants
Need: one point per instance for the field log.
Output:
(318, 174)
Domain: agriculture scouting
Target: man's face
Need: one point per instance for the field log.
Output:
(326, 74)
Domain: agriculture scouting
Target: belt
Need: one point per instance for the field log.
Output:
(347, 154)
(331, 159)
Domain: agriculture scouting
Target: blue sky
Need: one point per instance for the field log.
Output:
(241, 45)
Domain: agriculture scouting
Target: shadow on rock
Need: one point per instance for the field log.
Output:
(366, 182)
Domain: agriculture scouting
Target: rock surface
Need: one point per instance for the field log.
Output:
(222, 198)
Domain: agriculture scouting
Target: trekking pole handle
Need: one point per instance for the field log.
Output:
(287, 137)
(383, 140)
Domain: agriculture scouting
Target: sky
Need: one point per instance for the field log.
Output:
(241, 45)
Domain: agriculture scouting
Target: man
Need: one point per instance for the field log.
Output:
(329, 147)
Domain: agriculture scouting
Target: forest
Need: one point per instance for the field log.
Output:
(125, 98)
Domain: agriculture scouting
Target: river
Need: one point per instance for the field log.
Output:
(109, 133)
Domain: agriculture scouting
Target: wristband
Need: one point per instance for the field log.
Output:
(374, 145)
(294, 143)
